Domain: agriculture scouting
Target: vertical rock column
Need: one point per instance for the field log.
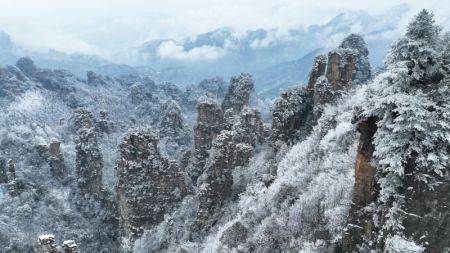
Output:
(360, 224)
(210, 122)
(238, 94)
(3, 171)
(56, 159)
(218, 181)
(12, 184)
(149, 184)
(362, 71)
(89, 161)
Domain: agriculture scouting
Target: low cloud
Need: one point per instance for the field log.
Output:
(170, 50)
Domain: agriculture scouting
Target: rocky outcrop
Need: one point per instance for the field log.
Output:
(299, 108)
(173, 131)
(248, 132)
(235, 234)
(360, 225)
(227, 142)
(47, 244)
(340, 67)
(238, 94)
(217, 182)
(3, 171)
(56, 159)
(89, 160)
(149, 185)
(427, 216)
(210, 122)
(317, 70)
(52, 155)
(171, 121)
(362, 71)
(104, 124)
(292, 115)
(12, 183)
(70, 246)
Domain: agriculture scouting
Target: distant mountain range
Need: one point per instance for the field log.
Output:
(276, 59)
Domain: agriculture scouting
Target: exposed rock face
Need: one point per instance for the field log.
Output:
(171, 122)
(252, 127)
(299, 108)
(12, 184)
(234, 235)
(429, 219)
(341, 64)
(317, 70)
(89, 161)
(104, 125)
(428, 216)
(70, 246)
(149, 184)
(210, 122)
(238, 93)
(218, 181)
(175, 134)
(56, 159)
(362, 71)
(3, 171)
(292, 115)
(360, 222)
(47, 244)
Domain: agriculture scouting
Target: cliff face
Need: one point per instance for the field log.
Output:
(149, 184)
(360, 223)
(172, 129)
(217, 181)
(427, 212)
(89, 161)
(401, 191)
(238, 94)
(210, 122)
(298, 109)
(362, 71)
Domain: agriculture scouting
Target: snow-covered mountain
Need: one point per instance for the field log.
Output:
(266, 54)
(350, 161)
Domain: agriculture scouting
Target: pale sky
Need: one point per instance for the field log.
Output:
(106, 26)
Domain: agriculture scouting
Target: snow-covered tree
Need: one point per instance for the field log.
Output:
(410, 100)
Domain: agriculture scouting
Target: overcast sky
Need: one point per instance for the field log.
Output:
(105, 26)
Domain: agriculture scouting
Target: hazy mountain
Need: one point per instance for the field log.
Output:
(275, 58)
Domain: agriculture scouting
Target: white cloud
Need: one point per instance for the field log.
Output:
(106, 27)
(170, 50)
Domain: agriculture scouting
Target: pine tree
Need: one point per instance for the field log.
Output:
(423, 28)
(410, 99)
